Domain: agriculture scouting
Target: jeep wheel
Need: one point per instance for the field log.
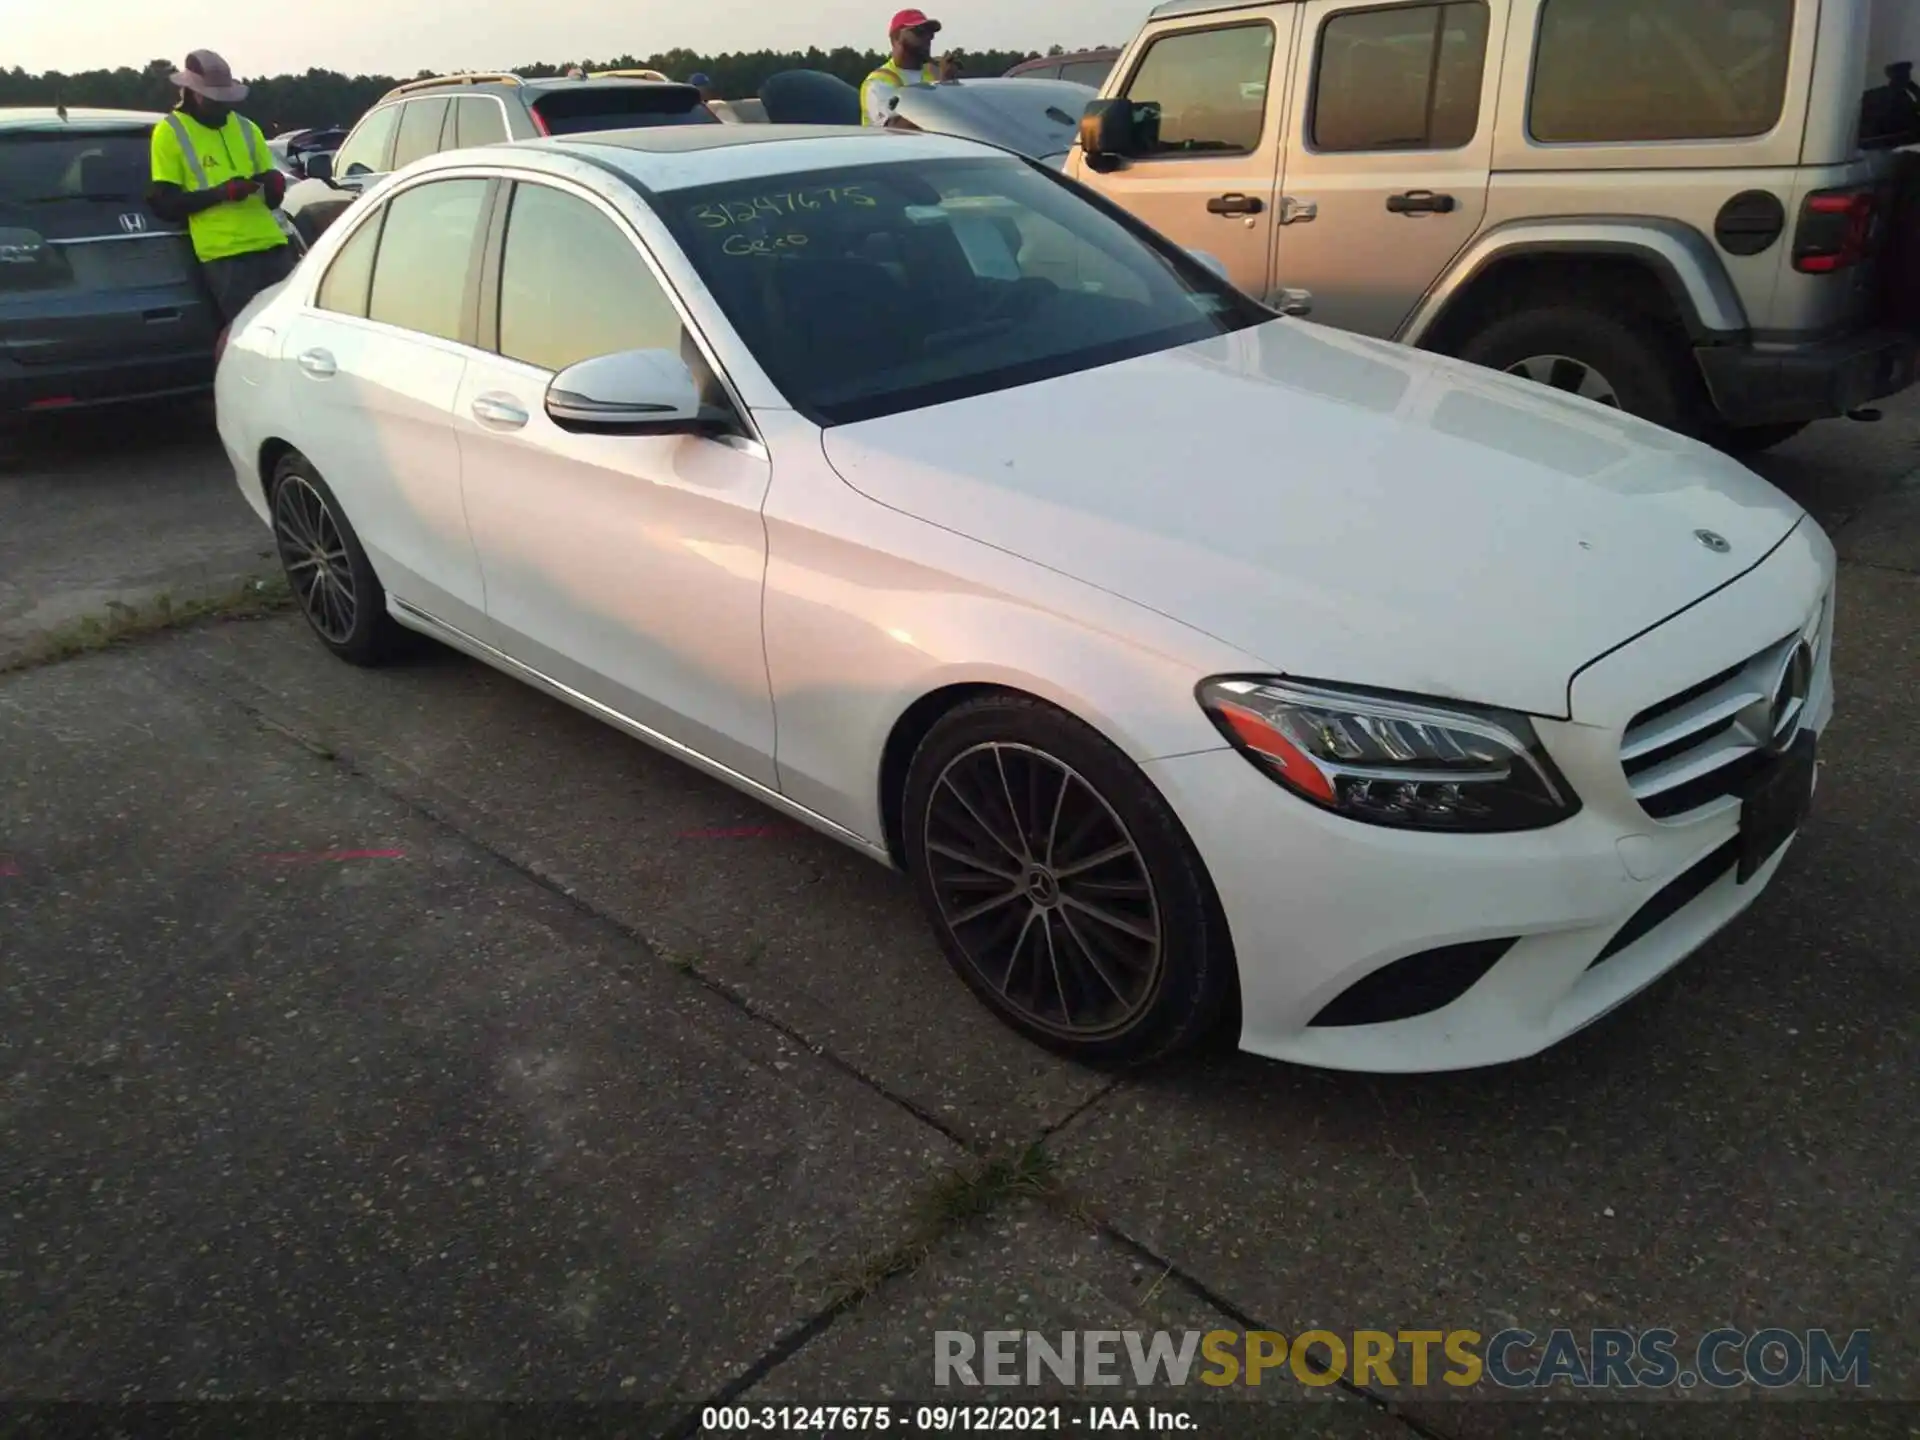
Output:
(1627, 362)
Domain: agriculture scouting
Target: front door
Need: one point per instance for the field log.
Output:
(379, 360)
(1211, 182)
(627, 567)
(1390, 141)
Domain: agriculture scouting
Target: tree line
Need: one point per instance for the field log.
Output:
(327, 97)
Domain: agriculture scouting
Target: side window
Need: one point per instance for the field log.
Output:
(572, 285)
(365, 152)
(1627, 70)
(477, 121)
(420, 122)
(1403, 79)
(1087, 72)
(420, 277)
(1211, 86)
(344, 287)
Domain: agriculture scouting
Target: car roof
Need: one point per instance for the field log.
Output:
(677, 157)
(78, 117)
(672, 157)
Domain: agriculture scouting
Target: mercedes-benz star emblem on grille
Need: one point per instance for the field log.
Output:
(1716, 543)
(1790, 690)
(133, 222)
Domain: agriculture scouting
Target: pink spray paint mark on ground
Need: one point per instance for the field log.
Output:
(9, 868)
(313, 857)
(744, 832)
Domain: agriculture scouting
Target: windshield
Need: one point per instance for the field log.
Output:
(47, 167)
(621, 107)
(875, 289)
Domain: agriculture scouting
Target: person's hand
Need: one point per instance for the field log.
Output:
(949, 68)
(238, 188)
(274, 185)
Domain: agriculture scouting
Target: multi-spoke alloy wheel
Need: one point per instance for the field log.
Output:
(1061, 886)
(1564, 373)
(1044, 889)
(315, 557)
(327, 567)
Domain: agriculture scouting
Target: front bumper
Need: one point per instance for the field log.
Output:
(1596, 908)
(88, 383)
(1786, 384)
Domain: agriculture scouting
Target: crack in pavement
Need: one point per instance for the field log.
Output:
(805, 1332)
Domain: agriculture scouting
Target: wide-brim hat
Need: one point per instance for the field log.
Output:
(210, 77)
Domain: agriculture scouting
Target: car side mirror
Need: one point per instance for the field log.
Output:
(633, 392)
(1114, 131)
(317, 167)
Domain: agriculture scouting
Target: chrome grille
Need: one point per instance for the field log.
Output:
(1696, 747)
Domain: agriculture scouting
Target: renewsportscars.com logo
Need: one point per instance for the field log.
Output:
(1603, 1359)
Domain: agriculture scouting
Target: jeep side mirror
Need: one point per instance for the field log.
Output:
(1114, 131)
(318, 167)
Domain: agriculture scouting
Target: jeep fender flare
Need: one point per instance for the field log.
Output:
(1682, 258)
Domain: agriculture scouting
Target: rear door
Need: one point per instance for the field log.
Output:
(378, 357)
(1219, 81)
(86, 272)
(1390, 144)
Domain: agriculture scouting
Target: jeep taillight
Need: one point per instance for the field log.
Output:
(1835, 231)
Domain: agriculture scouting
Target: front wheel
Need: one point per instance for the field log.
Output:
(1062, 888)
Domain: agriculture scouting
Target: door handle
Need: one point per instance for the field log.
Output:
(1420, 202)
(317, 363)
(498, 410)
(1235, 204)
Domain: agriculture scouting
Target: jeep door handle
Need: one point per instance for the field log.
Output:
(1420, 202)
(501, 410)
(1235, 204)
(317, 363)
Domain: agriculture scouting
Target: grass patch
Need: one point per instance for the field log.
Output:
(960, 1198)
(122, 622)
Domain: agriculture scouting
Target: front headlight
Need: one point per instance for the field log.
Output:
(1384, 761)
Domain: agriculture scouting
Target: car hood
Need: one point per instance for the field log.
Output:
(1339, 508)
(1036, 118)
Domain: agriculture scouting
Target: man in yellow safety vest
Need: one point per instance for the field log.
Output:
(911, 63)
(213, 172)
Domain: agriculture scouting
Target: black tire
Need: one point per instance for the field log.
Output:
(333, 583)
(1752, 439)
(1641, 360)
(1131, 961)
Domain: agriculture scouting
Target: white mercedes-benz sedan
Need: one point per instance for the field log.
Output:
(1198, 666)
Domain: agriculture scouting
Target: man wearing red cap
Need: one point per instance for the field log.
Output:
(912, 64)
(212, 171)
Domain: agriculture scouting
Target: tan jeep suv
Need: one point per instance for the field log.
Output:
(1664, 205)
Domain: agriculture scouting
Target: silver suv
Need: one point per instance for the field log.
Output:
(1663, 205)
(448, 112)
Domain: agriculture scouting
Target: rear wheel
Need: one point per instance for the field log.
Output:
(1062, 888)
(331, 577)
(1628, 362)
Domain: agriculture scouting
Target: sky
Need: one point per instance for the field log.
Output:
(400, 37)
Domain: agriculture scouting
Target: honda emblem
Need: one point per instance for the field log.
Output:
(133, 222)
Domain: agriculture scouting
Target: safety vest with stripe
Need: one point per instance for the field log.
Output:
(890, 74)
(197, 157)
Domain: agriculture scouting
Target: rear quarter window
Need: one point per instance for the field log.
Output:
(1648, 70)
